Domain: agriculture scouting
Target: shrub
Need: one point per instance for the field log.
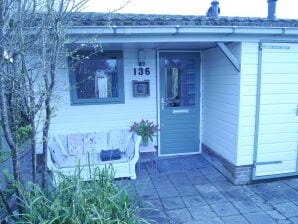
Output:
(75, 201)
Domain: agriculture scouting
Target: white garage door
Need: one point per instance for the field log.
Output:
(276, 152)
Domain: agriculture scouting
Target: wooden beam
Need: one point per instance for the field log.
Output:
(229, 55)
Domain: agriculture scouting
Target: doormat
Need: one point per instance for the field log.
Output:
(182, 163)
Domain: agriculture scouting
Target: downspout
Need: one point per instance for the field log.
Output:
(257, 114)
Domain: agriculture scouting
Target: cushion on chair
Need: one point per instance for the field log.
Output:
(75, 144)
(90, 142)
(106, 155)
(60, 145)
(57, 156)
(118, 138)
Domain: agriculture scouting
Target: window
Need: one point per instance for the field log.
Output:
(96, 78)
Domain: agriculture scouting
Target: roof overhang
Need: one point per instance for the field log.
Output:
(169, 36)
(158, 30)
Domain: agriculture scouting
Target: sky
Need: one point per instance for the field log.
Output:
(251, 8)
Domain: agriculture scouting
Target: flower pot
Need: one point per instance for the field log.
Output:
(145, 140)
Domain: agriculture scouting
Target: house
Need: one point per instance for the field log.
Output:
(226, 87)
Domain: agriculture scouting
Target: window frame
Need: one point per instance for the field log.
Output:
(109, 54)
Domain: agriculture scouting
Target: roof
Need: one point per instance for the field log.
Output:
(117, 19)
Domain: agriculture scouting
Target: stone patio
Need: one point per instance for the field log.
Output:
(189, 190)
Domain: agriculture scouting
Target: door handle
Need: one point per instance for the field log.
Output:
(162, 102)
(297, 110)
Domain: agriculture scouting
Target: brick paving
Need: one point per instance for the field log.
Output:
(201, 194)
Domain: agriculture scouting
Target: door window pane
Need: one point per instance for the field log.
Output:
(180, 82)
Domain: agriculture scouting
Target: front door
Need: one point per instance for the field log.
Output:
(179, 102)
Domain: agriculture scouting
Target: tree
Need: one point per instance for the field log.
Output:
(32, 40)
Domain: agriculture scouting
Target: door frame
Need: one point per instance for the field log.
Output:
(158, 99)
(257, 115)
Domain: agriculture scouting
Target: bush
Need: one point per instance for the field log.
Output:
(75, 201)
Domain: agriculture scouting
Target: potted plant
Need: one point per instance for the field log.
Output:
(146, 129)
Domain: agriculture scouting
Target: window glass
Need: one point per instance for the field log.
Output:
(180, 82)
(97, 78)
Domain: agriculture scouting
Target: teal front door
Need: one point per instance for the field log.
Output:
(179, 102)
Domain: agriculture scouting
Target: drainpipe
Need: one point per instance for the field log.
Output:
(271, 9)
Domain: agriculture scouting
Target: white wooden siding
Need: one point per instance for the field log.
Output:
(220, 102)
(82, 118)
(278, 127)
(247, 112)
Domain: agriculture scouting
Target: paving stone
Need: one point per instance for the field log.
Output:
(209, 221)
(291, 195)
(274, 214)
(261, 203)
(172, 203)
(269, 187)
(193, 173)
(197, 180)
(235, 219)
(194, 201)
(209, 170)
(235, 195)
(179, 180)
(179, 215)
(206, 188)
(224, 186)
(294, 219)
(165, 183)
(216, 177)
(246, 190)
(284, 221)
(204, 212)
(274, 197)
(154, 216)
(187, 190)
(144, 185)
(224, 209)
(292, 182)
(287, 209)
(152, 204)
(215, 197)
(147, 194)
(246, 206)
(259, 188)
(259, 217)
(167, 192)
(159, 177)
(278, 186)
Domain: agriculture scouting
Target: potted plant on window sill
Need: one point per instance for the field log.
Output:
(146, 129)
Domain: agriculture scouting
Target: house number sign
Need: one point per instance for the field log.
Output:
(141, 71)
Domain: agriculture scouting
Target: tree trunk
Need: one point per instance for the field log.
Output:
(3, 104)
(45, 133)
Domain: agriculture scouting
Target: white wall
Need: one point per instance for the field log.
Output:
(83, 118)
(248, 91)
(220, 102)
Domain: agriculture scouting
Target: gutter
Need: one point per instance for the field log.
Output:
(174, 30)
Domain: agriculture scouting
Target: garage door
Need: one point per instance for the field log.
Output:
(277, 131)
